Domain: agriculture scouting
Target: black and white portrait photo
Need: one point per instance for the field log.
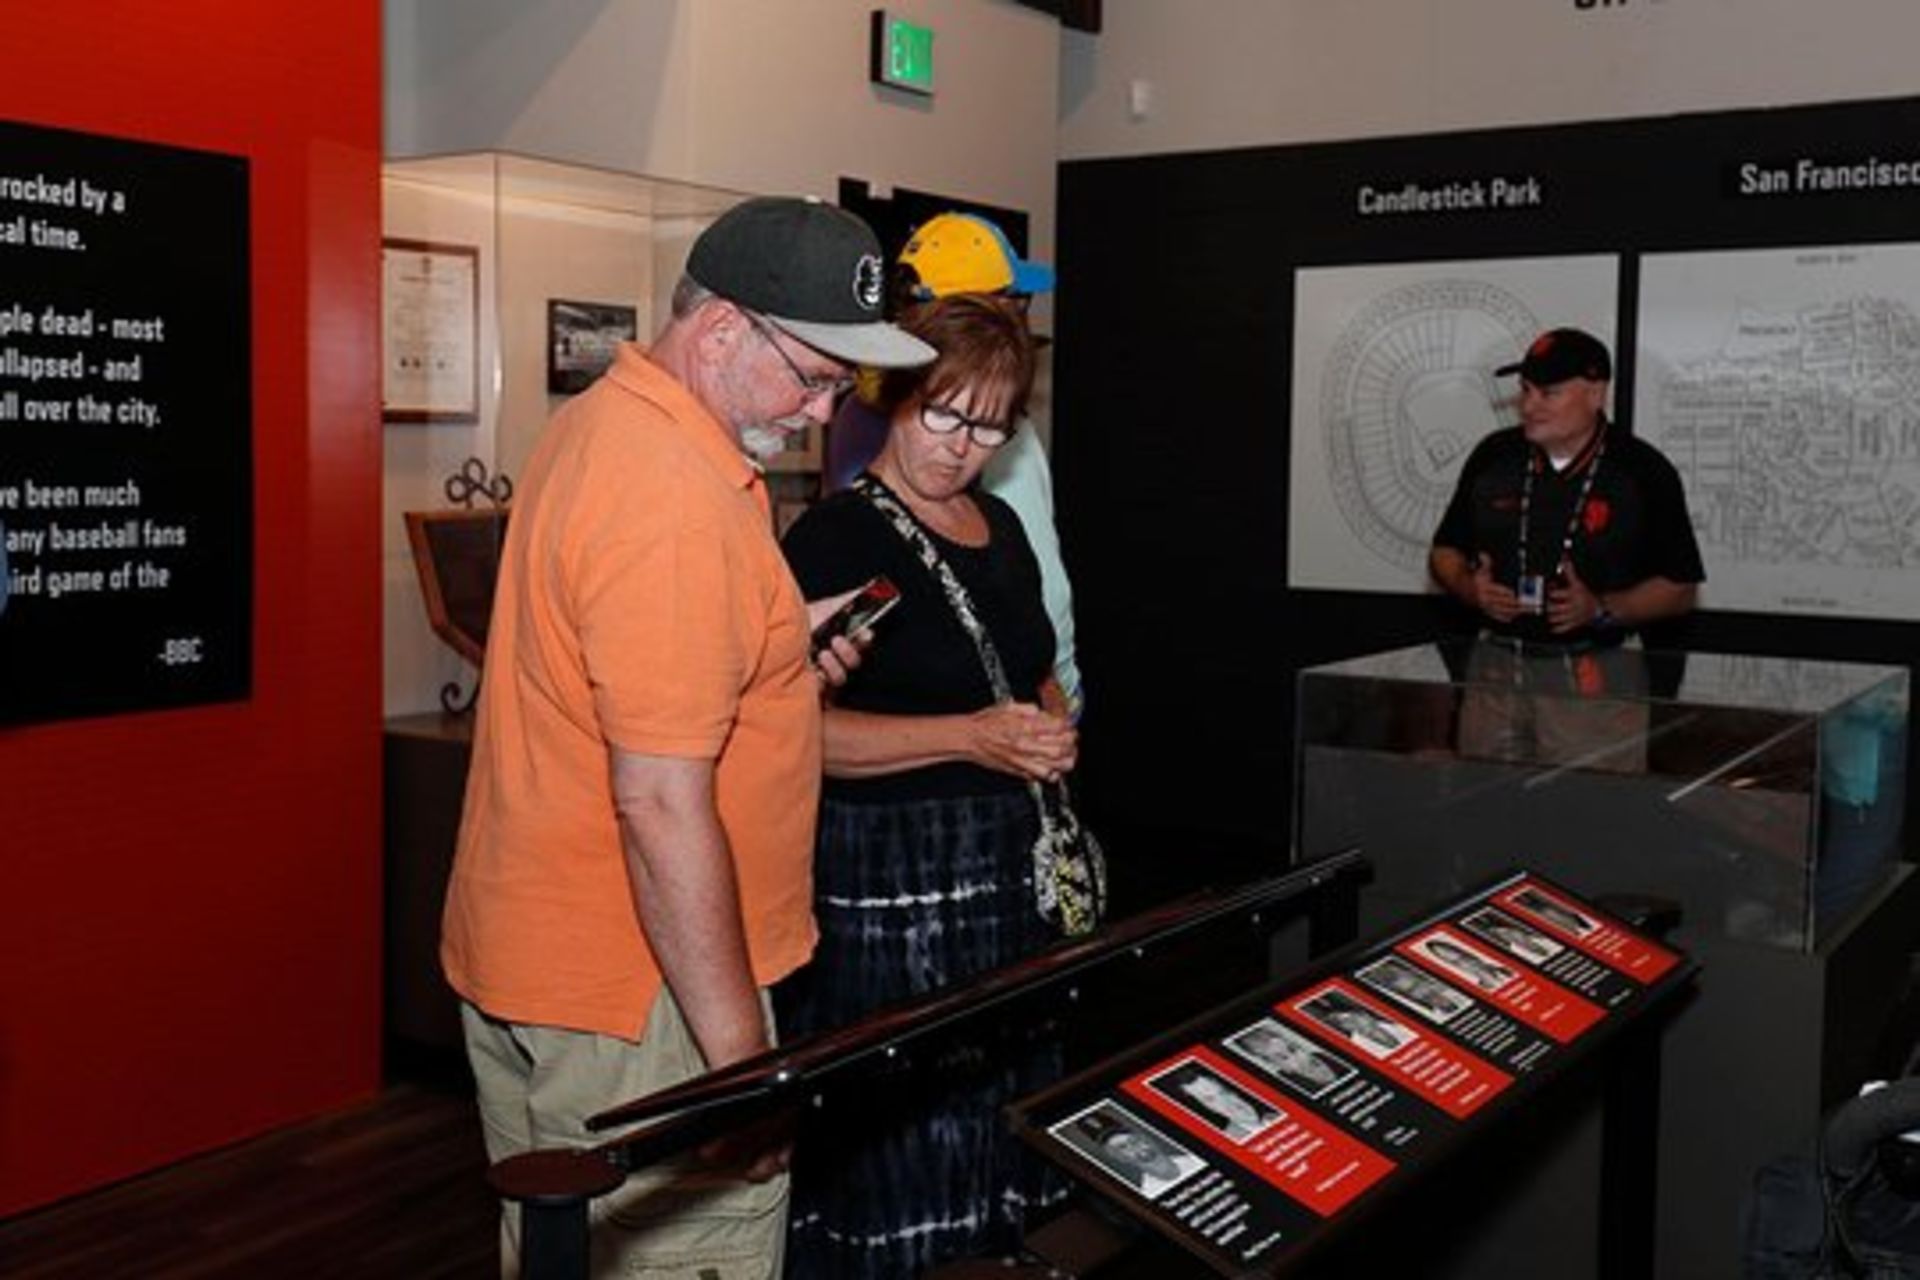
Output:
(1555, 912)
(1129, 1149)
(1204, 1093)
(1425, 994)
(1463, 961)
(1512, 937)
(1371, 1032)
(1290, 1057)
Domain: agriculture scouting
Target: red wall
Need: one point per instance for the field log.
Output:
(189, 901)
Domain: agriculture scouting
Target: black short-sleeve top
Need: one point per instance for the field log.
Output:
(921, 661)
(1633, 525)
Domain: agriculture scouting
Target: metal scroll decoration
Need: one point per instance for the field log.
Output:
(473, 481)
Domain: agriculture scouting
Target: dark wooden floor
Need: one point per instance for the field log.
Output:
(395, 1188)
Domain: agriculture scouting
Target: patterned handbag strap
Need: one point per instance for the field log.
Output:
(1048, 796)
(1074, 910)
(883, 499)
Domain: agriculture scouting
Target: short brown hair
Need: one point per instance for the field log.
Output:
(981, 342)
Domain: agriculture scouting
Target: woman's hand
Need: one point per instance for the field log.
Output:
(1021, 739)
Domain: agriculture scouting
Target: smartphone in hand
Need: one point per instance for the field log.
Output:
(866, 607)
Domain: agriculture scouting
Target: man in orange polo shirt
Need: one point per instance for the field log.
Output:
(634, 859)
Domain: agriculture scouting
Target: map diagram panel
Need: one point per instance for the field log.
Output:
(1784, 384)
(1393, 385)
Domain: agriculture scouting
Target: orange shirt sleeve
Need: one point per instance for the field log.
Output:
(660, 615)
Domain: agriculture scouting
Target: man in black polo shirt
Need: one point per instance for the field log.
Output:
(1565, 529)
(1565, 534)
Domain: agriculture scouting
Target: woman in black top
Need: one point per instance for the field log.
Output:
(923, 863)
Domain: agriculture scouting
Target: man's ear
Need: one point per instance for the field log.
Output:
(718, 325)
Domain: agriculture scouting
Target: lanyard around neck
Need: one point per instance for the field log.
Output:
(1579, 503)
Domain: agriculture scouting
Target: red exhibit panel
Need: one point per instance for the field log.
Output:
(1537, 1001)
(1283, 1142)
(1253, 1133)
(1393, 1044)
(1608, 941)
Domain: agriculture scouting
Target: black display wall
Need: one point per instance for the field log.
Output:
(1172, 407)
(126, 466)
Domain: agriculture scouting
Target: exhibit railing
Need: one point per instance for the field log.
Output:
(555, 1187)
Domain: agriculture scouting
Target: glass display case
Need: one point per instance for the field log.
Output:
(507, 281)
(1764, 794)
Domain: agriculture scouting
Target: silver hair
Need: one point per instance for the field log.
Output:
(689, 295)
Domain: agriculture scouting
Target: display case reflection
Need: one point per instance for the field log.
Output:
(1766, 794)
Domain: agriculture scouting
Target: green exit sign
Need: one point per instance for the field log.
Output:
(902, 54)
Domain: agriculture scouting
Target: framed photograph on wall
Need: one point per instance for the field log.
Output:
(581, 338)
(430, 331)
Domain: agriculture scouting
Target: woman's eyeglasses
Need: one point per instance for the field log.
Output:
(944, 420)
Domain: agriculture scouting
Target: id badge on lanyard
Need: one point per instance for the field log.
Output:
(1531, 588)
(1533, 593)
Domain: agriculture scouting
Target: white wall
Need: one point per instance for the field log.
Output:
(747, 95)
(1234, 73)
(756, 95)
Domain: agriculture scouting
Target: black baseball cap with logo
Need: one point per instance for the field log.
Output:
(1559, 354)
(812, 269)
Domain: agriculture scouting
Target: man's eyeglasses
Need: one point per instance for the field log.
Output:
(814, 384)
(944, 420)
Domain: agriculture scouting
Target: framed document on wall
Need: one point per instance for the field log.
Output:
(430, 331)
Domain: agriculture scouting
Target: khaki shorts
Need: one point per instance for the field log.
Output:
(537, 1087)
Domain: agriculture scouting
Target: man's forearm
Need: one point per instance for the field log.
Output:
(680, 870)
(1453, 572)
(1649, 600)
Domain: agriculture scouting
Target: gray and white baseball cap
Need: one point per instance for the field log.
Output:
(812, 269)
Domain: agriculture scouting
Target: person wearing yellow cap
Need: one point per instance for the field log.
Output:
(965, 253)
(956, 253)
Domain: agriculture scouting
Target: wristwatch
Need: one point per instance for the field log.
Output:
(1602, 616)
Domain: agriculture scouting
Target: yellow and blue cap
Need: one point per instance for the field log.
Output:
(965, 253)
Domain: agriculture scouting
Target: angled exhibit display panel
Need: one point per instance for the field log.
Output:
(1265, 1130)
